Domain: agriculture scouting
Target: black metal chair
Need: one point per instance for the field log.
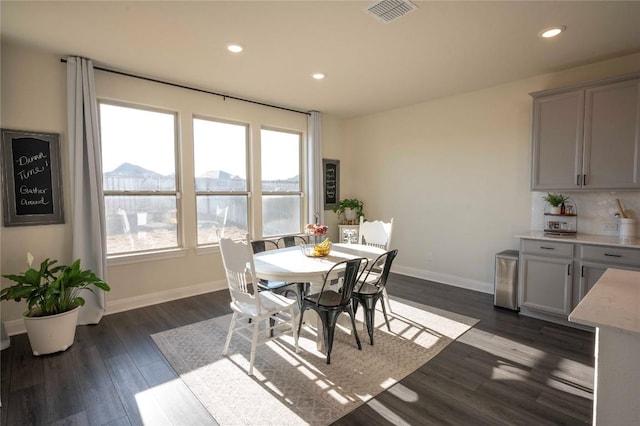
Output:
(330, 303)
(370, 289)
(291, 241)
(279, 287)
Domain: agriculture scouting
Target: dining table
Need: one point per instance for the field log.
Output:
(294, 265)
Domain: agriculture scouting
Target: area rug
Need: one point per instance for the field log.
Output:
(290, 388)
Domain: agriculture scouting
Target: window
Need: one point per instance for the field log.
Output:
(281, 195)
(220, 165)
(139, 177)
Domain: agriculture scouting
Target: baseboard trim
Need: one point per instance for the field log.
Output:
(452, 280)
(114, 306)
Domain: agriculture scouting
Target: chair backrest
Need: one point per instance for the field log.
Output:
(291, 241)
(347, 279)
(237, 259)
(375, 233)
(379, 270)
(259, 246)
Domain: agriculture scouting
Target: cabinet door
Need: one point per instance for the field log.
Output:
(590, 273)
(612, 136)
(558, 122)
(546, 284)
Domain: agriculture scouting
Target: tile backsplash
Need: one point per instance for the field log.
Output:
(596, 210)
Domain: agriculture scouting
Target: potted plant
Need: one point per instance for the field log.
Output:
(53, 301)
(555, 201)
(351, 208)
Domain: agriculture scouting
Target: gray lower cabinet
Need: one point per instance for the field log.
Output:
(555, 276)
(546, 276)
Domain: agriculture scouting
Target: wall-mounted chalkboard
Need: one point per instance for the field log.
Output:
(331, 179)
(31, 175)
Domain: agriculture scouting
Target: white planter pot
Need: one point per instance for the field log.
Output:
(555, 210)
(350, 214)
(53, 333)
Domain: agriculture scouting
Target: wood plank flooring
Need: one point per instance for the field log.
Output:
(508, 369)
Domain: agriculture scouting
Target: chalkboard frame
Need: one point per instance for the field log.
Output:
(10, 210)
(328, 164)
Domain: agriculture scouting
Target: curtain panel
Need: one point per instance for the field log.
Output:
(85, 162)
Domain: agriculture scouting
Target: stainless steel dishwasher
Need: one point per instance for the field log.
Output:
(505, 291)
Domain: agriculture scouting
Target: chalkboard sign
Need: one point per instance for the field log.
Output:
(31, 173)
(331, 177)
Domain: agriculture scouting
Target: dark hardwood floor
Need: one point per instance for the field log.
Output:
(507, 370)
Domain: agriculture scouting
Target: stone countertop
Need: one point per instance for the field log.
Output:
(614, 301)
(601, 240)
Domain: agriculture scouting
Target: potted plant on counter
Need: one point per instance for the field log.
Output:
(53, 301)
(351, 209)
(555, 201)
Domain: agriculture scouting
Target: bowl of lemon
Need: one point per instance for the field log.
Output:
(317, 250)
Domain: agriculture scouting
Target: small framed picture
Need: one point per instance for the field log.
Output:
(31, 178)
(331, 180)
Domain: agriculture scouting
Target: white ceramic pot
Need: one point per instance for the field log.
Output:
(53, 333)
(555, 210)
(350, 214)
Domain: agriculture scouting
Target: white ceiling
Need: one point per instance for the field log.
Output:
(440, 49)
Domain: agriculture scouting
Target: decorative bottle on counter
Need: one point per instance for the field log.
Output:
(563, 209)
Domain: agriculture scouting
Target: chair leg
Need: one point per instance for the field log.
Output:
(295, 330)
(329, 319)
(386, 299)
(231, 326)
(352, 315)
(384, 312)
(368, 304)
(254, 344)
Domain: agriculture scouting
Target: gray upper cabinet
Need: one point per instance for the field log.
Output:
(587, 137)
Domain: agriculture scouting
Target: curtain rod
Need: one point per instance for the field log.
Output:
(181, 86)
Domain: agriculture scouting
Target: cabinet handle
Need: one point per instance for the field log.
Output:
(584, 180)
(582, 271)
(577, 180)
(612, 255)
(547, 248)
(568, 269)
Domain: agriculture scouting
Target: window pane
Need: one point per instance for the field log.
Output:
(226, 213)
(220, 156)
(280, 161)
(280, 214)
(140, 222)
(138, 148)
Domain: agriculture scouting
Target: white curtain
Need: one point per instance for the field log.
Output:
(85, 161)
(316, 198)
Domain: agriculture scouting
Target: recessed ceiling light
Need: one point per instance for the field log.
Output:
(552, 32)
(234, 48)
(318, 75)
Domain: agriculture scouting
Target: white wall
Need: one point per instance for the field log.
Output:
(454, 173)
(34, 98)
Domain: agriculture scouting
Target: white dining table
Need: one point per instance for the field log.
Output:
(292, 265)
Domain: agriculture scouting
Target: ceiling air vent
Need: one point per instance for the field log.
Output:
(390, 10)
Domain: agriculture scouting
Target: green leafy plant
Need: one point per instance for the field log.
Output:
(350, 203)
(555, 200)
(51, 289)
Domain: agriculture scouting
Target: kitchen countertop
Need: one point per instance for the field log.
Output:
(579, 238)
(613, 302)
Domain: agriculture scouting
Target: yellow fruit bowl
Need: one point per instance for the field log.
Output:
(312, 250)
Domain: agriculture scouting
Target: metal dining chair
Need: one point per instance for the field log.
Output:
(376, 233)
(279, 287)
(291, 241)
(370, 289)
(329, 303)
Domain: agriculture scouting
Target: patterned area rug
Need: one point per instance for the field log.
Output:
(300, 389)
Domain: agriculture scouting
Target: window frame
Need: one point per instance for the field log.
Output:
(177, 192)
(248, 172)
(302, 175)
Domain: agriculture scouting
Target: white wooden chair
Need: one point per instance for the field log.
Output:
(266, 311)
(378, 234)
